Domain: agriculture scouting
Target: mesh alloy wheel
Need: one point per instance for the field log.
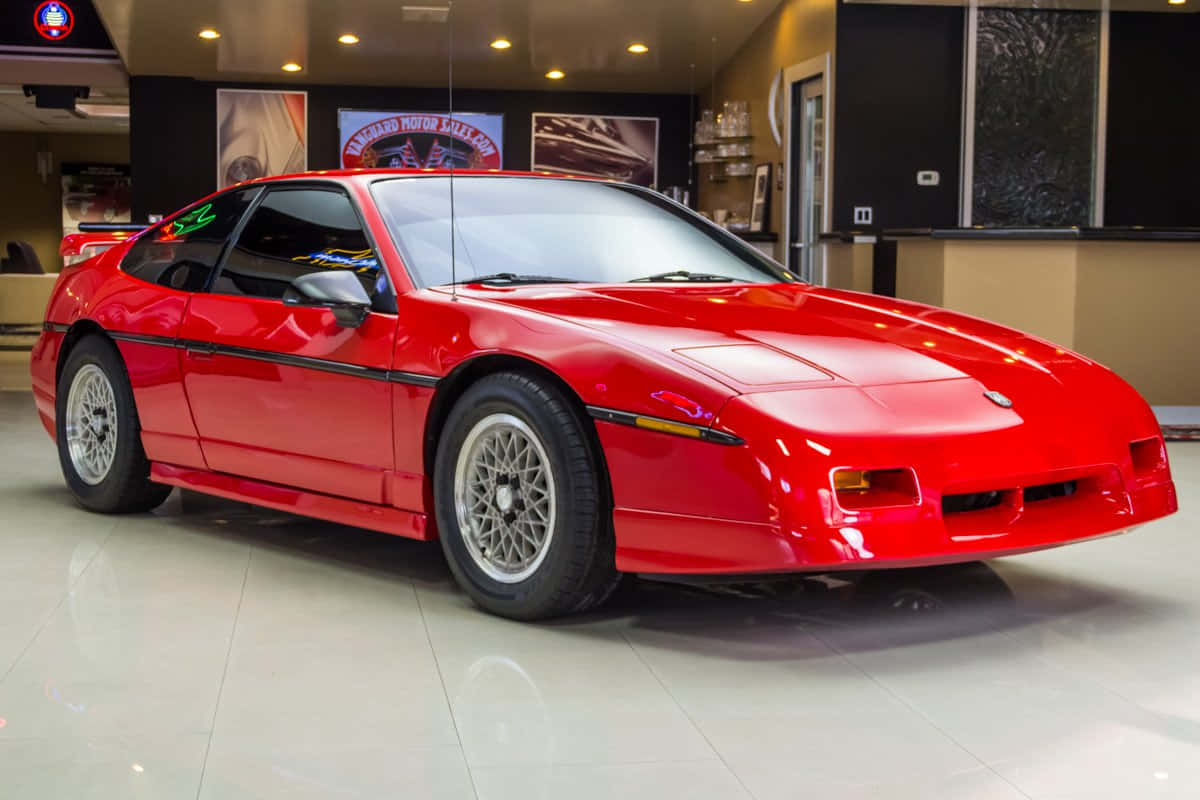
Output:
(91, 425)
(504, 498)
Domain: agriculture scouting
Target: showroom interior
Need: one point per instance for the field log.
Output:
(1030, 164)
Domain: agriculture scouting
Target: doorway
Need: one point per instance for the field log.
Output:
(806, 206)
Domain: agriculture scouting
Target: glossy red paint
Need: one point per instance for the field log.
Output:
(291, 425)
(78, 247)
(811, 380)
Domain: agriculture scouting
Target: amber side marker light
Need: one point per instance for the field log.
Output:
(667, 427)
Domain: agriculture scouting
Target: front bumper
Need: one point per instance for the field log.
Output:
(661, 542)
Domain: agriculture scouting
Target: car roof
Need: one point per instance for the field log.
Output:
(372, 172)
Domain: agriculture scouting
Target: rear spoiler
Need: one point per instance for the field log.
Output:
(111, 227)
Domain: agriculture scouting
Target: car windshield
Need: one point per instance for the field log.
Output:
(514, 230)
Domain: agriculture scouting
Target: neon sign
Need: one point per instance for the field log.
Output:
(53, 20)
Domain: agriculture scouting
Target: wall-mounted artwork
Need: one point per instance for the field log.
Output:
(260, 133)
(415, 140)
(622, 148)
(1035, 112)
(95, 193)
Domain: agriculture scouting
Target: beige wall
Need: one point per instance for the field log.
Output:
(849, 265)
(795, 32)
(32, 210)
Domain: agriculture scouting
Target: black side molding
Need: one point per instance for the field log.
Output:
(660, 425)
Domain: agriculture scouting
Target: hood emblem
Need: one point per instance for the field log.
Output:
(998, 399)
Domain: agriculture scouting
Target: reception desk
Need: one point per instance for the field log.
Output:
(1128, 298)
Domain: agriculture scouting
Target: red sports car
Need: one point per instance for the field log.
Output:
(588, 379)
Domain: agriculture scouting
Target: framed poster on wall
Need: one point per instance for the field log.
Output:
(95, 193)
(622, 148)
(420, 140)
(260, 133)
(760, 200)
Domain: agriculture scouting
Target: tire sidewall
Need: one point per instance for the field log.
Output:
(573, 518)
(106, 494)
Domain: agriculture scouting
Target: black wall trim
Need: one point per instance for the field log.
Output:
(627, 418)
(174, 115)
(287, 359)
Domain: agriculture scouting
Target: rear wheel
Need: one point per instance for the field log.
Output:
(521, 504)
(99, 437)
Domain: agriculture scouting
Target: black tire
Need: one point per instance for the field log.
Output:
(126, 487)
(578, 570)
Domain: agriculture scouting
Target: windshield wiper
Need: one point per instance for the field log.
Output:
(684, 275)
(513, 278)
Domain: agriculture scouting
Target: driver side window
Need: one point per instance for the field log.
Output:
(295, 232)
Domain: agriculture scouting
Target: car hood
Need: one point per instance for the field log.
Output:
(770, 337)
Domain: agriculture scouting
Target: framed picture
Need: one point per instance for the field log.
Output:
(260, 132)
(621, 148)
(417, 140)
(760, 203)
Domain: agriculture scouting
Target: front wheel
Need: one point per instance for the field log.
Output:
(521, 504)
(99, 437)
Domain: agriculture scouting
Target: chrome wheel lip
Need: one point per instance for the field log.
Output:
(91, 424)
(480, 504)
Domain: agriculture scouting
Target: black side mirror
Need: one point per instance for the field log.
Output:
(338, 290)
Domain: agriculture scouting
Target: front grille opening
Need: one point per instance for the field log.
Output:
(1049, 491)
(972, 501)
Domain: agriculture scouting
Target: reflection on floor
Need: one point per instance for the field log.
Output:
(214, 650)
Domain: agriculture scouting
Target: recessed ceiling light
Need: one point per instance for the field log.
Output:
(556, 74)
(348, 38)
(208, 33)
(291, 66)
(501, 44)
(637, 48)
(1176, 2)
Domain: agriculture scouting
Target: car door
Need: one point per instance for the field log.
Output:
(281, 392)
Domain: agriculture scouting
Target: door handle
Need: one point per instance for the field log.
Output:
(200, 349)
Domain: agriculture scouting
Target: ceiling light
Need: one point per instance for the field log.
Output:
(556, 74)
(104, 110)
(501, 44)
(291, 66)
(348, 38)
(208, 33)
(637, 48)
(1176, 2)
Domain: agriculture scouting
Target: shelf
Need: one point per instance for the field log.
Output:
(724, 159)
(719, 140)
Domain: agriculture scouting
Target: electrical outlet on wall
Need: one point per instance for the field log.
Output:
(929, 177)
(862, 215)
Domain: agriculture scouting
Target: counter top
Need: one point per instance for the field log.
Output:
(1121, 234)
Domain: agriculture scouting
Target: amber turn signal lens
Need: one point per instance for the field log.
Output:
(850, 480)
(663, 426)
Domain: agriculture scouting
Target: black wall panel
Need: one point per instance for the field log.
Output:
(898, 110)
(1153, 165)
(173, 138)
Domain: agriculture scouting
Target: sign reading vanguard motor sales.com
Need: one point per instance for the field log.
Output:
(420, 141)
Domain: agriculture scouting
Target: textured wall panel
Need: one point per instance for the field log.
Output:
(1035, 109)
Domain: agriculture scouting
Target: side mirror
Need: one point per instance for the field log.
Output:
(338, 290)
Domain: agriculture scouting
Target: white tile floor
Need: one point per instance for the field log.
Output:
(212, 650)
